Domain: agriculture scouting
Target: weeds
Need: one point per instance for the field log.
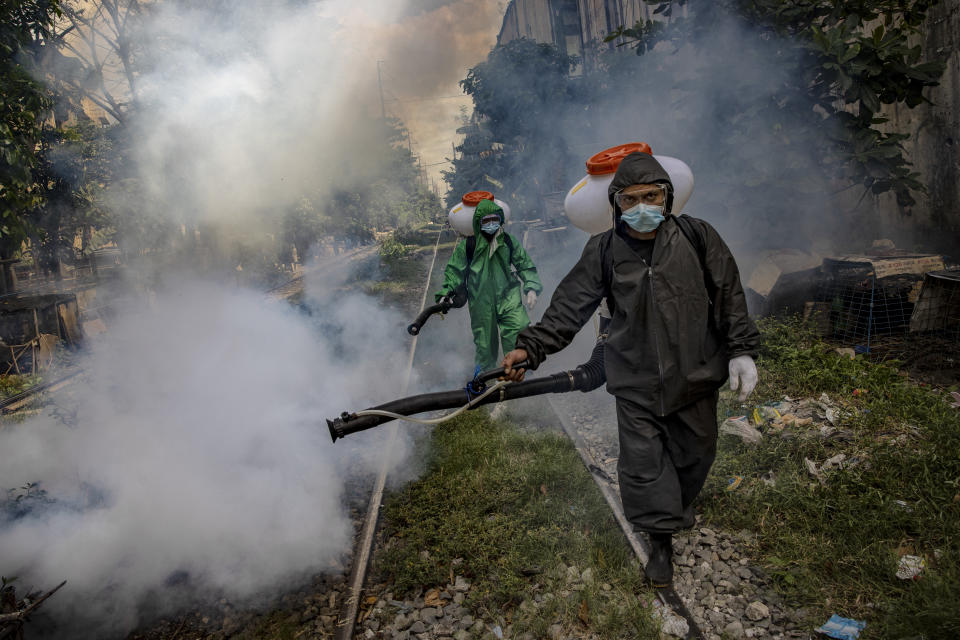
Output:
(835, 547)
(519, 516)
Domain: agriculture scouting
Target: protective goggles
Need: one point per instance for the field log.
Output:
(655, 195)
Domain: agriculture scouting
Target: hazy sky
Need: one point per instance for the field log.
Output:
(426, 46)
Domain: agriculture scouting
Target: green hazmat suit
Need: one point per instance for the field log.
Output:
(494, 292)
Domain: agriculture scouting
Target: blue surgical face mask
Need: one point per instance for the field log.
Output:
(490, 228)
(643, 217)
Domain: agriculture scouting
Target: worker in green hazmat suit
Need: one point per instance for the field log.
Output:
(482, 269)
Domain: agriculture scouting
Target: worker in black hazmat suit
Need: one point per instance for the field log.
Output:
(679, 327)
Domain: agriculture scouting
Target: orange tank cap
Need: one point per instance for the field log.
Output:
(608, 160)
(473, 198)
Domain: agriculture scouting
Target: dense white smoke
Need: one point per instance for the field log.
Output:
(195, 451)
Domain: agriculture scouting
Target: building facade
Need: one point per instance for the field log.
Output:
(575, 26)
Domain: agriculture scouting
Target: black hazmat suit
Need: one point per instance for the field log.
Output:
(674, 326)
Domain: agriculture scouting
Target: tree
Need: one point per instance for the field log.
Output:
(24, 25)
(522, 95)
(844, 60)
(101, 62)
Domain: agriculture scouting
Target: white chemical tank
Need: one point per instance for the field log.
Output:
(587, 205)
(461, 216)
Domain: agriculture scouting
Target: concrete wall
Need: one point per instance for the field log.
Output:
(934, 145)
(536, 19)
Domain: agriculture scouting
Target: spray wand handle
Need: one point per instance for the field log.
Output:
(493, 374)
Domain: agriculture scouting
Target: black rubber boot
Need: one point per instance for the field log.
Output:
(659, 569)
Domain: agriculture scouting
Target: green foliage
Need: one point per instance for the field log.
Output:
(522, 93)
(841, 540)
(23, 105)
(509, 510)
(385, 196)
(844, 61)
(391, 249)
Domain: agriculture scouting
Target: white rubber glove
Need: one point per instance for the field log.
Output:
(531, 299)
(743, 375)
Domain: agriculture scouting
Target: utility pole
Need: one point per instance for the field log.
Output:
(383, 109)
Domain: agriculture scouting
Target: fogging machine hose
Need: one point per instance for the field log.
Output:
(586, 377)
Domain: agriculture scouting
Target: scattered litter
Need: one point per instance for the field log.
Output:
(956, 399)
(910, 567)
(903, 505)
(836, 462)
(831, 415)
(813, 471)
(757, 418)
(841, 435)
(671, 623)
(740, 426)
(846, 352)
(860, 392)
(770, 413)
(734, 482)
(498, 632)
(842, 628)
(790, 420)
(769, 479)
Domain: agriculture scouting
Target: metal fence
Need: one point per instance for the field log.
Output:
(857, 305)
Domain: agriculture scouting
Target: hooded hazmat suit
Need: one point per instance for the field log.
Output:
(678, 317)
(494, 292)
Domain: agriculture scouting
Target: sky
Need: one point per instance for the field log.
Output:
(427, 47)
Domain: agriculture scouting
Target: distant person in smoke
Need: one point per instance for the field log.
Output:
(679, 328)
(495, 276)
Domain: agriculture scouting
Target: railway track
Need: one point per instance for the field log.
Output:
(347, 620)
(14, 403)
(668, 596)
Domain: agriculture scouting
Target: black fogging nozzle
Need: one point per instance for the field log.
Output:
(441, 308)
(336, 425)
(334, 432)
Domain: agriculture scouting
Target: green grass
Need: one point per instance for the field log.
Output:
(511, 512)
(834, 548)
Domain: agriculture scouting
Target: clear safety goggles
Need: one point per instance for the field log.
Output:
(655, 195)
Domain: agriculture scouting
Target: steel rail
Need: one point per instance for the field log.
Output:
(14, 403)
(347, 620)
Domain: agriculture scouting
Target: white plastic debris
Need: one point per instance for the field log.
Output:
(836, 462)
(813, 471)
(740, 426)
(910, 567)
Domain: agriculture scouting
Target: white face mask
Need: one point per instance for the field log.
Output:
(490, 228)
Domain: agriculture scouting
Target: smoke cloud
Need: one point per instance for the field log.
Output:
(195, 446)
(194, 455)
